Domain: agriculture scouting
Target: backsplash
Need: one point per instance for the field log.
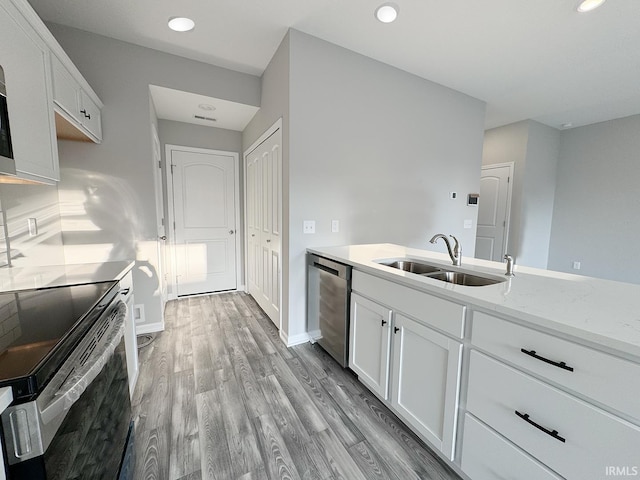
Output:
(43, 245)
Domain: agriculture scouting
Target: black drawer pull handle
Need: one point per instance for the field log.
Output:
(553, 433)
(396, 329)
(383, 323)
(125, 291)
(532, 353)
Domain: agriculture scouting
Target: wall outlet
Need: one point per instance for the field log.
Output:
(335, 226)
(468, 223)
(138, 313)
(576, 265)
(309, 226)
(32, 224)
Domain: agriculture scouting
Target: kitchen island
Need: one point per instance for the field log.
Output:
(537, 374)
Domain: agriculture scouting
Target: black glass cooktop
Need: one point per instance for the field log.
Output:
(39, 328)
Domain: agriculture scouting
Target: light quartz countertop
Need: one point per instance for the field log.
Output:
(24, 278)
(599, 312)
(6, 397)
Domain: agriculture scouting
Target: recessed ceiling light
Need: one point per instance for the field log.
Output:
(387, 12)
(588, 5)
(206, 106)
(181, 24)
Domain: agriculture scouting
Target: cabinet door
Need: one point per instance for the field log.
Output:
(369, 343)
(90, 116)
(65, 89)
(426, 368)
(25, 60)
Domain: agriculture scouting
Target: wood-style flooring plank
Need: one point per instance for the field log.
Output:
(215, 459)
(184, 456)
(340, 462)
(278, 462)
(368, 461)
(241, 438)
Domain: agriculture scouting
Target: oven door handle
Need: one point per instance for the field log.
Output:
(78, 382)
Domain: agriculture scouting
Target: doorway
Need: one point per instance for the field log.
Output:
(494, 210)
(202, 188)
(263, 220)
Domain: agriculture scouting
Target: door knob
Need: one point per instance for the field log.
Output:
(231, 232)
(163, 237)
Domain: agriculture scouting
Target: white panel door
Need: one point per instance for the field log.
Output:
(205, 225)
(264, 229)
(493, 212)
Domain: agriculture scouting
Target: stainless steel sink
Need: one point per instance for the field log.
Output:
(437, 273)
(461, 278)
(418, 268)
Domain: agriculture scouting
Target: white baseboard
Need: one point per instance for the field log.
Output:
(295, 339)
(149, 328)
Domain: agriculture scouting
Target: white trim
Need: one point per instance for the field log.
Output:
(277, 125)
(268, 132)
(295, 339)
(169, 148)
(505, 241)
(149, 328)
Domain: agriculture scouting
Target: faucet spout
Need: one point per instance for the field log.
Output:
(455, 253)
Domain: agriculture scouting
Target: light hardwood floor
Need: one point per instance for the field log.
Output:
(220, 397)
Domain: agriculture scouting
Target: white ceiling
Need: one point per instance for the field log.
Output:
(183, 107)
(536, 59)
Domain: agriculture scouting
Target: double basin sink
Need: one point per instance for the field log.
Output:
(438, 273)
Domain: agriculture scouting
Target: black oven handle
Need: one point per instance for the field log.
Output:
(82, 376)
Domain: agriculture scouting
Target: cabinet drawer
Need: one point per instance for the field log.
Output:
(433, 311)
(610, 380)
(488, 456)
(581, 441)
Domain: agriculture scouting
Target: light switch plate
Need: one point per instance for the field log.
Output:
(309, 226)
(335, 226)
(468, 223)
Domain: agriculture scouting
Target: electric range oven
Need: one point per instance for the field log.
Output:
(62, 353)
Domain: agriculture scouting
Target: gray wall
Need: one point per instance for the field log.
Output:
(533, 148)
(595, 216)
(377, 149)
(19, 203)
(110, 186)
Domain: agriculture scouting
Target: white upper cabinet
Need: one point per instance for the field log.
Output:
(74, 106)
(25, 59)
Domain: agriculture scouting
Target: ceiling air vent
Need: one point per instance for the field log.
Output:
(200, 117)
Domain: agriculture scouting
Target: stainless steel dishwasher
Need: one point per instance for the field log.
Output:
(328, 298)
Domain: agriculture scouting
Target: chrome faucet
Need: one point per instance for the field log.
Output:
(510, 264)
(456, 253)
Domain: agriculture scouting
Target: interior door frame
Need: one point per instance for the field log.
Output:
(507, 214)
(161, 227)
(171, 239)
(268, 132)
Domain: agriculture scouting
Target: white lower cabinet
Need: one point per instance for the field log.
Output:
(489, 456)
(570, 436)
(130, 338)
(369, 344)
(421, 381)
(426, 366)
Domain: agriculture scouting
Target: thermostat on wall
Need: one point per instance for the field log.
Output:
(472, 199)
